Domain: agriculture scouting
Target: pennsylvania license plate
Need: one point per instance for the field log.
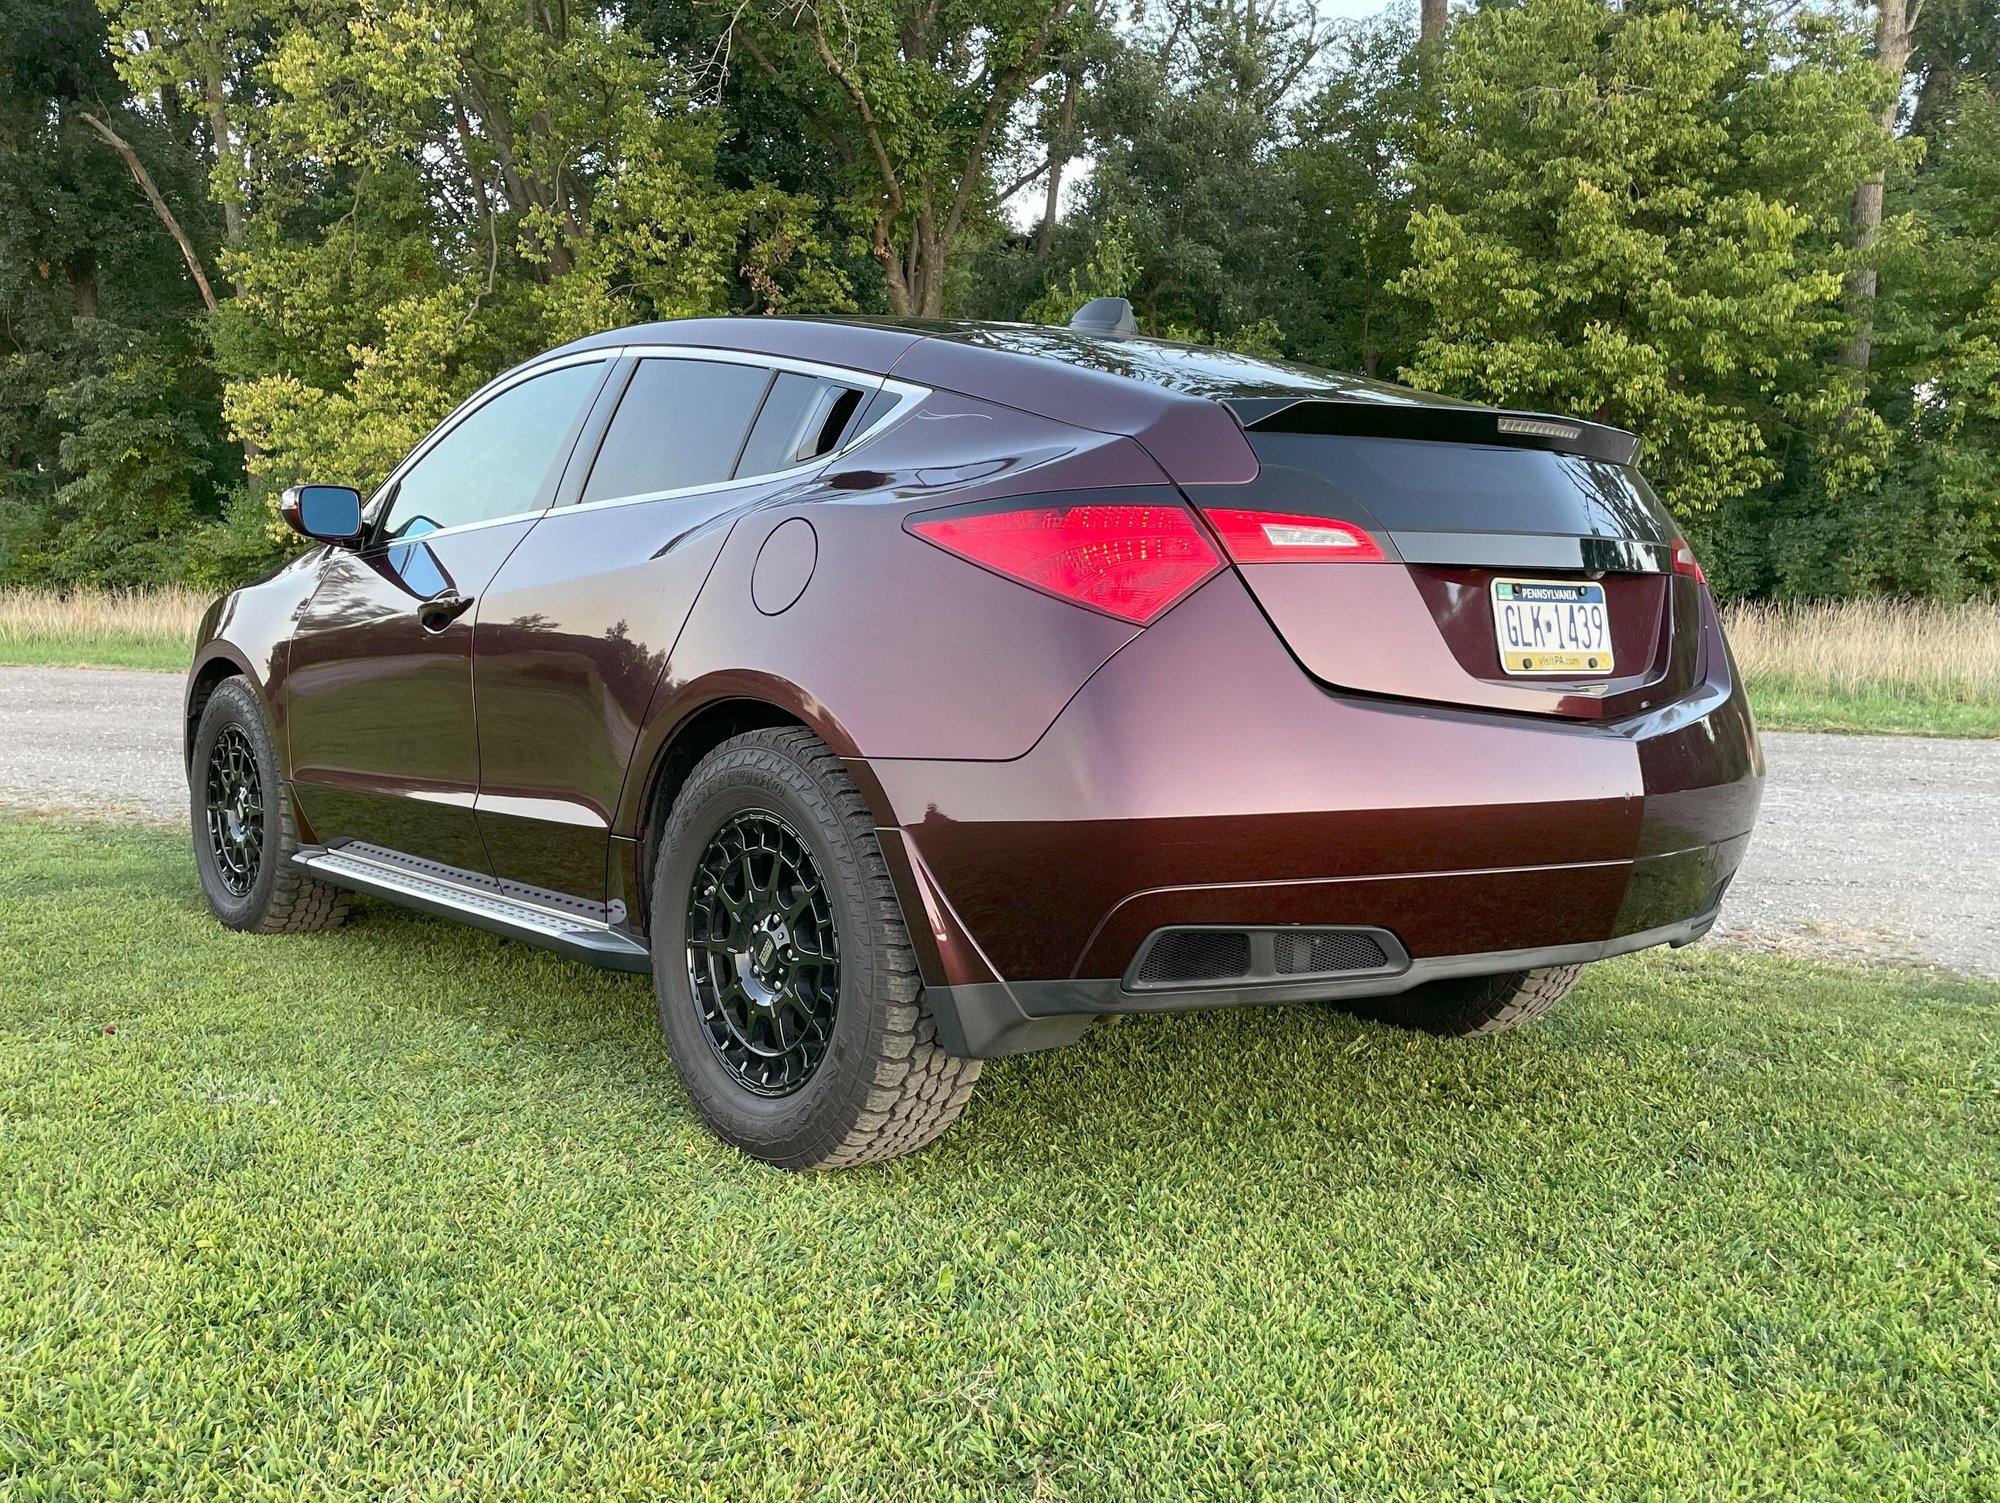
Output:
(1548, 628)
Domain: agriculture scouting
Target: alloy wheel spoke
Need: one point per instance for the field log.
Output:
(234, 816)
(760, 927)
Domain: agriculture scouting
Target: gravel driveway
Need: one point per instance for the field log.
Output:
(92, 739)
(1884, 846)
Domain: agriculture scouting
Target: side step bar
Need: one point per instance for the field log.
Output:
(570, 935)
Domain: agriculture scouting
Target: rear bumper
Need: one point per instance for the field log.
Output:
(990, 1019)
(1202, 777)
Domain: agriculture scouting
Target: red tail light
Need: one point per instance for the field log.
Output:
(1269, 537)
(1686, 563)
(1128, 561)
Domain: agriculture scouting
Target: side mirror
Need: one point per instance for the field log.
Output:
(325, 513)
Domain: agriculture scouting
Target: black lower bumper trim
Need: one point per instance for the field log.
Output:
(997, 1018)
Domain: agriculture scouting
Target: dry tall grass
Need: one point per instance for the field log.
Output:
(164, 619)
(1941, 652)
(1900, 648)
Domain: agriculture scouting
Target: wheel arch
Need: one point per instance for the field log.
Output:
(218, 663)
(709, 714)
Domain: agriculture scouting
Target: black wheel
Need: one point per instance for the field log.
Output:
(244, 833)
(1472, 1006)
(786, 984)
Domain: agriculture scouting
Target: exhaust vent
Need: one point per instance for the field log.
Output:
(1184, 958)
(1181, 957)
(1313, 954)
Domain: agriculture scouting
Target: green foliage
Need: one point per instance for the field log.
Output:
(1187, 123)
(1112, 268)
(1929, 525)
(1636, 211)
(1354, 136)
(1638, 215)
(410, 1211)
(916, 101)
(111, 449)
(463, 189)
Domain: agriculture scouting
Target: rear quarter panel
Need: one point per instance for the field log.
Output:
(896, 648)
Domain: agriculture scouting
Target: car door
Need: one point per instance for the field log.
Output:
(383, 746)
(574, 632)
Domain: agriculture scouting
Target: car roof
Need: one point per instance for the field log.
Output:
(1187, 404)
(877, 345)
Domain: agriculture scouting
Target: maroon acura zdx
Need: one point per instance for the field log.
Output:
(904, 695)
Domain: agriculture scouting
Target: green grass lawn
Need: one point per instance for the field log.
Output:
(1882, 709)
(407, 1211)
(95, 651)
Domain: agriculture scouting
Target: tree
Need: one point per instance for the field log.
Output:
(1349, 174)
(1637, 215)
(917, 100)
(463, 187)
(112, 451)
(1187, 123)
(1893, 22)
(1952, 43)
(196, 56)
(1932, 524)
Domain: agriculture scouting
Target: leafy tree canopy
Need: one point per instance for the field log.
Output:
(1637, 215)
(244, 242)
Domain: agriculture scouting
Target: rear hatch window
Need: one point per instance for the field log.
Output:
(1418, 485)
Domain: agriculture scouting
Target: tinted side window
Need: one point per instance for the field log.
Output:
(803, 418)
(494, 462)
(680, 423)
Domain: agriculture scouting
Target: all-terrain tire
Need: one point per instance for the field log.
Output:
(884, 1086)
(279, 898)
(1473, 1006)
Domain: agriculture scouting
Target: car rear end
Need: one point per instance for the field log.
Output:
(1440, 692)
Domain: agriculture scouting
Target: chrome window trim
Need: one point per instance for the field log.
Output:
(907, 395)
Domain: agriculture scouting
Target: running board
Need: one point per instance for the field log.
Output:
(577, 938)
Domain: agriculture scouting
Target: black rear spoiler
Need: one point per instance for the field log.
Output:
(1437, 423)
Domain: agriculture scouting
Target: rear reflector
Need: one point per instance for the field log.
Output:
(1686, 563)
(1269, 537)
(1127, 561)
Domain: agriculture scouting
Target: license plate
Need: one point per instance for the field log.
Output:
(1549, 628)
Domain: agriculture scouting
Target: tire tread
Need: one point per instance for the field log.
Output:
(294, 903)
(1475, 1006)
(914, 1089)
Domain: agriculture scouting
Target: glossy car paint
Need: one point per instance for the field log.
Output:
(382, 736)
(1051, 783)
(1200, 778)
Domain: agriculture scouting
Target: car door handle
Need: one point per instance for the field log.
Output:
(440, 611)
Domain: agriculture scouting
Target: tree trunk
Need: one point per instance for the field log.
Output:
(226, 162)
(1052, 200)
(147, 186)
(1430, 20)
(1893, 21)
